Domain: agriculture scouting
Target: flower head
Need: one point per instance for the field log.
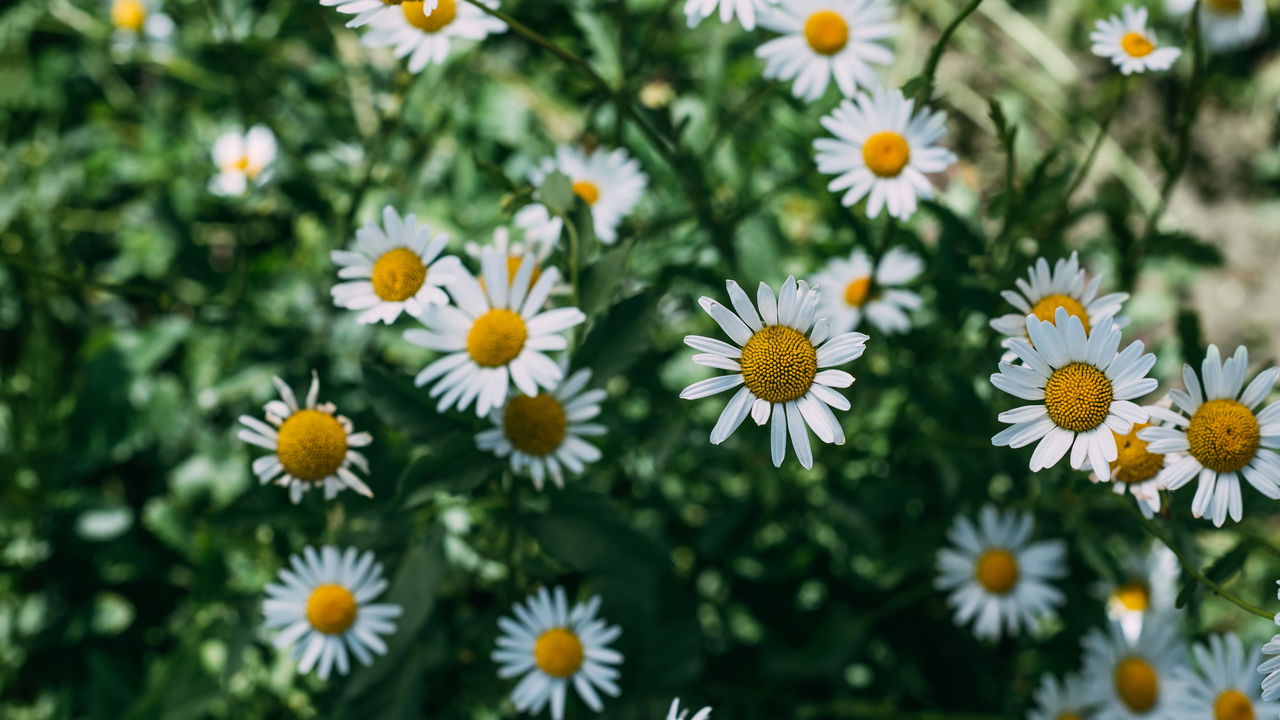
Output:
(1226, 25)
(242, 160)
(746, 10)
(1130, 44)
(824, 40)
(675, 713)
(1133, 679)
(853, 288)
(367, 11)
(610, 182)
(1064, 700)
(427, 38)
(1224, 685)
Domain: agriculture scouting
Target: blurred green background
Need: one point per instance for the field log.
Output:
(140, 315)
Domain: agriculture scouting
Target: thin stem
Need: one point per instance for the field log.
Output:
(1159, 533)
(925, 93)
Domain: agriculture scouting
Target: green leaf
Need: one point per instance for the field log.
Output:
(1229, 563)
(557, 193)
(618, 339)
(1187, 247)
(601, 279)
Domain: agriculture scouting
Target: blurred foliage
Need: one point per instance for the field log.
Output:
(141, 315)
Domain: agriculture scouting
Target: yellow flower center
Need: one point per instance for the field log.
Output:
(513, 267)
(398, 275)
(496, 337)
(1223, 435)
(311, 445)
(331, 609)
(558, 652)
(1078, 397)
(1133, 596)
(1232, 705)
(827, 32)
(779, 364)
(1225, 7)
(1049, 304)
(855, 293)
(440, 18)
(1137, 684)
(1133, 464)
(535, 425)
(1136, 44)
(128, 14)
(996, 571)
(886, 153)
(588, 191)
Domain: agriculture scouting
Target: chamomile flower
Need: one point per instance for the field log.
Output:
(996, 577)
(1135, 470)
(543, 434)
(1225, 686)
(778, 358)
(696, 11)
(311, 446)
(1271, 666)
(1133, 679)
(242, 160)
(610, 182)
(826, 39)
(1081, 390)
(1218, 436)
(1146, 588)
(1227, 24)
(882, 150)
(1066, 285)
(554, 646)
(849, 291)
(392, 269)
(427, 38)
(322, 606)
(514, 251)
(495, 334)
(366, 11)
(132, 20)
(1063, 700)
(675, 713)
(1130, 45)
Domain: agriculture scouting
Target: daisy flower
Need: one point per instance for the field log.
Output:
(1066, 285)
(311, 446)
(515, 252)
(1225, 686)
(675, 713)
(322, 607)
(366, 11)
(610, 182)
(426, 38)
(778, 357)
(1132, 679)
(1135, 469)
(696, 11)
(1226, 24)
(553, 647)
(1063, 700)
(1147, 587)
(242, 160)
(1081, 391)
(392, 269)
(996, 577)
(133, 19)
(882, 151)
(850, 291)
(1218, 437)
(825, 39)
(495, 334)
(543, 433)
(1271, 666)
(1130, 44)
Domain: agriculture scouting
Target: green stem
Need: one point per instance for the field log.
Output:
(1078, 177)
(925, 93)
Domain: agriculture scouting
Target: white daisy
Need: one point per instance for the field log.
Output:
(515, 251)
(1271, 666)
(1063, 700)
(554, 646)
(696, 11)
(778, 357)
(134, 19)
(1133, 679)
(1068, 286)
(1225, 687)
(1135, 470)
(675, 713)
(543, 433)
(242, 160)
(322, 607)
(1130, 44)
(1081, 389)
(1219, 437)
(311, 446)
(366, 11)
(397, 268)
(882, 151)
(996, 577)
(497, 334)
(1146, 588)
(1227, 24)
(610, 182)
(825, 39)
(427, 38)
(849, 292)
